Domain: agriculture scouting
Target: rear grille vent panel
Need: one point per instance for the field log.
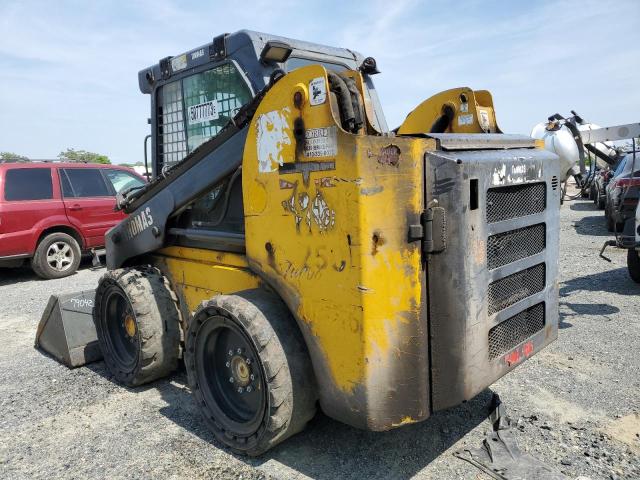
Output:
(510, 290)
(508, 247)
(513, 201)
(513, 331)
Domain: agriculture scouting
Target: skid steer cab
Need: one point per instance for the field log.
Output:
(294, 253)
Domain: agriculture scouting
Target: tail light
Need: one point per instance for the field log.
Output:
(628, 182)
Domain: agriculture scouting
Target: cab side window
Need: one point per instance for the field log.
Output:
(28, 184)
(196, 108)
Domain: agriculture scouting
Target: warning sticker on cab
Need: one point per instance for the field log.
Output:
(317, 91)
(321, 142)
(465, 119)
(203, 112)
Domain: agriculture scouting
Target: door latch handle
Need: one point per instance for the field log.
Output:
(75, 208)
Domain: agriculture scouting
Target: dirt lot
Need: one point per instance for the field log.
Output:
(577, 403)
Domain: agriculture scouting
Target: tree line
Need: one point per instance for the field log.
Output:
(69, 154)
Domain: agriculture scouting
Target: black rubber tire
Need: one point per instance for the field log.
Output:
(156, 344)
(39, 262)
(288, 379)
(600, 199)
(633, 264)
(593, 193)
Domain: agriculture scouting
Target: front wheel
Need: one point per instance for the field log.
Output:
(633, 264)
(249, 371)
(138, 325)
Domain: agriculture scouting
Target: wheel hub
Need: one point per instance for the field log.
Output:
(130, 325)
(240, 370)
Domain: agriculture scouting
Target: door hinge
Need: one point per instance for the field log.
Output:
(432, 230)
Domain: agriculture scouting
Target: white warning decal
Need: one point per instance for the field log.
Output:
(321, 142)
(317, 91)
(179, 63)
(203, 112)
(465, 119)
(273, 134)
(483, 118)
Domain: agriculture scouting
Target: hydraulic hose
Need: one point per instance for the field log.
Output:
(338, 85)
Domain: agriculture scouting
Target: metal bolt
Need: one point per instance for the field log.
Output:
(249, 389)
(240, 389)
(239, 351)
(231, 379)
(252, 376)
(248, 361)
(228, 364)
(230, 352)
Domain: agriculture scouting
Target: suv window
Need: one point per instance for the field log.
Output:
(194, 109)
(84, 182)
(28, 184)
(122, 180)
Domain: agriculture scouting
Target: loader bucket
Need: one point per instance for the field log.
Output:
(66, 330)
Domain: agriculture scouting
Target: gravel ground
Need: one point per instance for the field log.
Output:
(576, 404)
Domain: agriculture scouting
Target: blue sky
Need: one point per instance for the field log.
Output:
(68, 69)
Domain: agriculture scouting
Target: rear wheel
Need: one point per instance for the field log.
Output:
(138, 325)
(633, 264)
(57, 256)
(249, 371)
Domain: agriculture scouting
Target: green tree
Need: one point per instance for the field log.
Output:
(83, 156)
(11, 156)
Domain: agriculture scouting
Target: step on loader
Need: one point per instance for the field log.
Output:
(296, 254)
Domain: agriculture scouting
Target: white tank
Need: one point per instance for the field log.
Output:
(561, 143)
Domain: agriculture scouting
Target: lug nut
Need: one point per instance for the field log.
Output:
(240, 389)
(249, 389)
(230, 352)
(248, 361)
(228, 364)
(239, 351)
(230, 379)
(252, 376)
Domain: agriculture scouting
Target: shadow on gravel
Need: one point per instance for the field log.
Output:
(579, 309)
(583, 206)
(12, 276)
(611, 281)
(328, 449)
(594, 226)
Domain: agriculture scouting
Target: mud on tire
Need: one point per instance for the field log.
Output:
(255, 329)
(137, 320)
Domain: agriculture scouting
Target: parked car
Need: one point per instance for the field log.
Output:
(622, 193)
(54, 212)
(599, 185)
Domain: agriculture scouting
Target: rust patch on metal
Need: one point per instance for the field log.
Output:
(376, 242)
(388, 155)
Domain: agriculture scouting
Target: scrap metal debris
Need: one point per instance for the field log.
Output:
(501, 458)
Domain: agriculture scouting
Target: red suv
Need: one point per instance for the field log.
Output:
(52, 212)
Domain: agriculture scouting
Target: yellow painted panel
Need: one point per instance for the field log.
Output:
(199, 274)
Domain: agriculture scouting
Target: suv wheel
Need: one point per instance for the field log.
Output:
(633, 264)
(57, 255)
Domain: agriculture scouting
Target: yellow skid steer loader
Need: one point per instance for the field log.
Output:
(294, 252)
